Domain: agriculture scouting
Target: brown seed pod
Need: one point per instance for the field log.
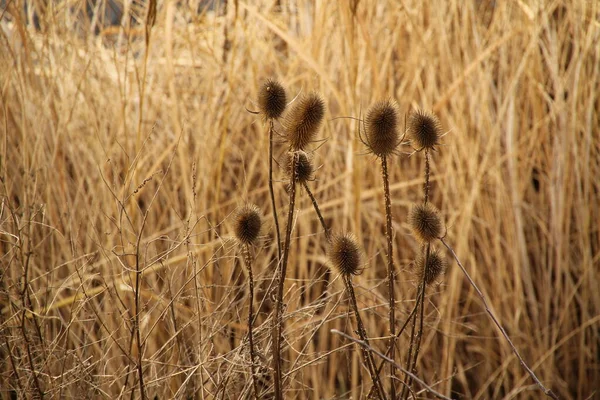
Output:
(381, 125)
(272, 99)
(344, 254)
(248, 223)
(436, 266)
(304, 120)
(304, 166)
(424, 129)
(425, 222)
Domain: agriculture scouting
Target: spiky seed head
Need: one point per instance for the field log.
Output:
(436, 266)
(424, 129)
(304, 166)
(248, 223)
(272, 99)
(304, 120)
(425, 222)
(381, 125)
(344, 254)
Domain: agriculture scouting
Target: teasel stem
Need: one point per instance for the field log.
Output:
(318, 211)
(399, 333)
(278, 320)
(248, 262)
(426, 184)
(547, 392)
(417, 346)
(415, 339)
(272, 192)
(362, 333)
(391, 272)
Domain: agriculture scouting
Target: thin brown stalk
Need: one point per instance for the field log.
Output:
(278, 320)
(318, 211)
(400, 332)
(248, 262)
(421, 318)
(390, 271)
(415, 339)
(362, 332)
(547, 392)
(272, 192)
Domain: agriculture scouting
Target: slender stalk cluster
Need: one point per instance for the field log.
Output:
(247, 227)
(344, 257)
(302, 124)
(382, 139)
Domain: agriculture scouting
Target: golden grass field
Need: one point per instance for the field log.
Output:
(122, 161)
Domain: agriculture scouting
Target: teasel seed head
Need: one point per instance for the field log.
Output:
(344, 254)
(272, 99)
(248, 224)
(381, 125)
(436, 266)
(304, 120)
(304, 166)
(425, 222)
(424, 129)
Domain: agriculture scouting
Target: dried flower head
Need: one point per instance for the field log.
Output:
(381, 125)
(304, 120)
(436, 266)
(248, 223)
(424, 129)
(304, 166)
(272, 99)
(344, 254)
(425, 222)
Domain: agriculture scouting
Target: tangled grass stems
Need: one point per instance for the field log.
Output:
(387, 359)
(547, 392)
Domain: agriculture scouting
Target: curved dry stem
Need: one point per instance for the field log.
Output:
(318, 211)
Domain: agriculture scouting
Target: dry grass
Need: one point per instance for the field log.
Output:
(103, 176)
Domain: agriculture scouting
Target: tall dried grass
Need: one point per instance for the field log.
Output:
(115, 165)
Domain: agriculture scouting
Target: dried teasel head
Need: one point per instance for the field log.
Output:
(304, 120)
(344, 254)
(272, 99)
(248, 223)
(424, 129)
(436, 266)
(381, 126)
(425, 222)
(304, 166)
